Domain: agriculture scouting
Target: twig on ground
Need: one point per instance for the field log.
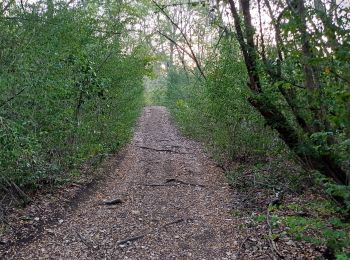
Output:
(131, 239)
(75, 185)
(112, 202)
(160, 150)
(3, 219)
(20, 193)
(276, 254)
(173, 222)
(183, 182)
(87, 243)
(134, 238)
(222, 167)
(241, 246)
(175, 181)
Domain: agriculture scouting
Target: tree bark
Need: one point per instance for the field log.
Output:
(273, 116)
(289, 95)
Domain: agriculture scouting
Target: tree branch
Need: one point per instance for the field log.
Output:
(13, 97)
(193, 56)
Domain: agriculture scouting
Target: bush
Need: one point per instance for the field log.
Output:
(216, 110)
(70, 91)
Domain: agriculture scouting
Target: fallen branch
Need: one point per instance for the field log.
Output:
(222, 167)
(173, 222)
(241, 246)
(18, 191)
(160, 150)
(111, 202)
(134, 238)
(176, 182)
(3, 219)
(183, 182)
(87, 243)
(13, 97)
(275, 253)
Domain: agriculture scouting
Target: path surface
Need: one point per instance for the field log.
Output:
(175, 205)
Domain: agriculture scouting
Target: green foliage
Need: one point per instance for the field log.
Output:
(155, 90)
(324, 105)
(332, 233)
(321, 226)
(339, 192)
(300, 82)
(217, 111)
(260, 218)
(71, 88)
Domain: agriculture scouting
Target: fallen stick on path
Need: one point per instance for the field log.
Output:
(160, 150)
(175, 182)
(174, 222)
(131, 239)
(87, 243)
(111, 202)
(134, 238)
(183, 182)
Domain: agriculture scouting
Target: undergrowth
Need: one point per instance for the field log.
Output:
(68, 94)
(257, 163)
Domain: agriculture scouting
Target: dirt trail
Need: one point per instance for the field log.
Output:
(176, 205)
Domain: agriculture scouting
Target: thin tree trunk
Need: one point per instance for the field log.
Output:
(312, 82)
(187, 41)
(273, 116)
(289, 95)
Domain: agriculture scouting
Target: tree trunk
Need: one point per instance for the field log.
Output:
(273, 116)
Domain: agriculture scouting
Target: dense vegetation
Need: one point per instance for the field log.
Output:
(265, 84)
(297, 78)
(71, 86)
(272, 86)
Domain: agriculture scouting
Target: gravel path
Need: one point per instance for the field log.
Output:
(174, 204)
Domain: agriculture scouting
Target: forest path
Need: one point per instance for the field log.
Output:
(175, 205)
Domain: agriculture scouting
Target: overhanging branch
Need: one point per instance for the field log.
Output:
(189, 45)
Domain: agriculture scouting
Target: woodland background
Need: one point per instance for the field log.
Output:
(265, 84)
